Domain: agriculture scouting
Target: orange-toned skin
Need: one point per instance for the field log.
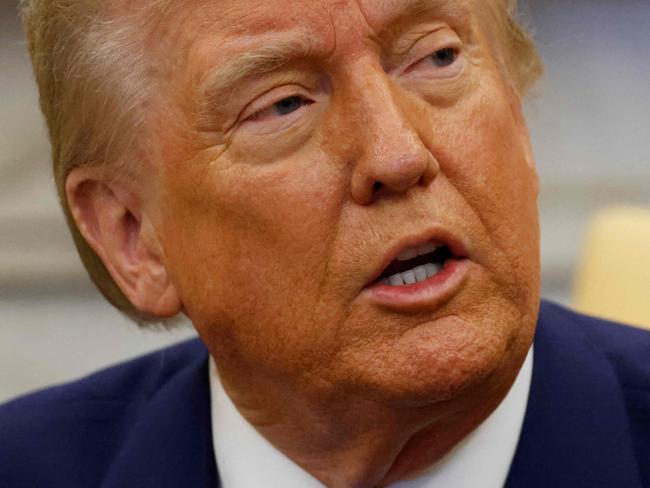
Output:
(266, 231)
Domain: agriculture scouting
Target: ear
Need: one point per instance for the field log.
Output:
(114, 222)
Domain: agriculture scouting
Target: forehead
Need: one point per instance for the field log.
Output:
(222, 33)
(263, 15)
(232, 20)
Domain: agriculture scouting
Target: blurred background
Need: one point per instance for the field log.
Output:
(590, 124)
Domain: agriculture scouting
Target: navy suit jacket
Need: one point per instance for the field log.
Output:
(146, 423)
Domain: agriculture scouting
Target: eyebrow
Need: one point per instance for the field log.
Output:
(272, 51)
(453, 9)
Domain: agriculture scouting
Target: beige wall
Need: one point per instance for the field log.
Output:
(590, 129)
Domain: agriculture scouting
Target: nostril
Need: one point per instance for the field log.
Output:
(376, 187)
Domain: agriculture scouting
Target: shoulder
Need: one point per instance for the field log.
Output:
(77, 427)
(128, 382)
(626, 348)
(626, 352)
(586, 418)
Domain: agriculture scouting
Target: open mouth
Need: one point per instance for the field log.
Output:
(417, 264)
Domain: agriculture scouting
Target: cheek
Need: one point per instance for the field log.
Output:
(487, 162)
(509, 190)
(249, 250)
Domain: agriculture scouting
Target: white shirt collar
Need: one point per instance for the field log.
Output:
(245, 459)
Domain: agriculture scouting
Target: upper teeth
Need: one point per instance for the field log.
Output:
(415, 275)
(418, 274)
(414, 252)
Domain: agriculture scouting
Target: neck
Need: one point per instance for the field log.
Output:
(347, 441)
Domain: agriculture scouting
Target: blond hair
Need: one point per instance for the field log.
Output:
(514, 47)
(96, 86)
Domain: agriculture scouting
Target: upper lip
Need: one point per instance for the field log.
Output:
(437, 235)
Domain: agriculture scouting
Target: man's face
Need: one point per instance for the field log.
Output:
(285, 195)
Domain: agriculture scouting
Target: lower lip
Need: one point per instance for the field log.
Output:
(427, 294)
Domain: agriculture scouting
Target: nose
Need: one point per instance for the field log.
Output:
(393, 157)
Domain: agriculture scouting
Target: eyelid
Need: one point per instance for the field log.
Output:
(270, 98)
(267, 100)
(441, 73)
(406, 45)
(432, 42)
(261, 115)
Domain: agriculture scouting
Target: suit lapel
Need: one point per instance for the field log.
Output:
(171, 442)
(576, 431)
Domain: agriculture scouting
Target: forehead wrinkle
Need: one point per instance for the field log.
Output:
(397, 9)
(286, 46)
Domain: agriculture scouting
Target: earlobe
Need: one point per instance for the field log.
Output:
(114, 222)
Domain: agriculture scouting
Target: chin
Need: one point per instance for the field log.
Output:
(448, 358)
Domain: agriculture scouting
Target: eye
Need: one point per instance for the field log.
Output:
(444, 57)
(281, 108)
(287, 105)
(443, 63)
